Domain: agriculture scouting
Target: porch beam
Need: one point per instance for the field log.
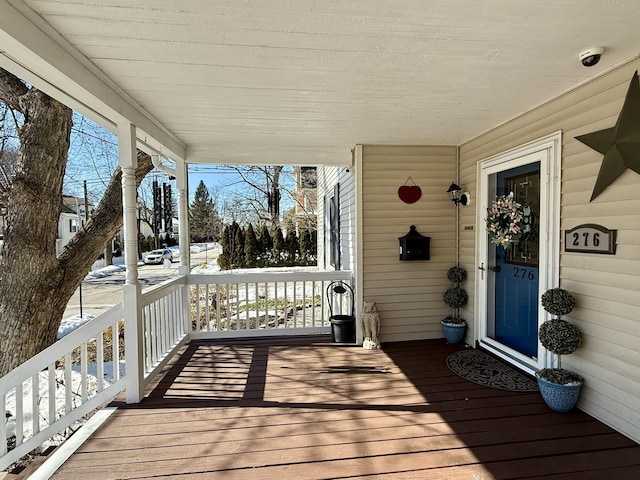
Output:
(32, 49)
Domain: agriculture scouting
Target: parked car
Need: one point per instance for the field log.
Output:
(158, 256)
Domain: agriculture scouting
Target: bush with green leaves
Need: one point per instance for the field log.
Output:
(558, 301)
(455, 297)
(456, 275)
(560, 337)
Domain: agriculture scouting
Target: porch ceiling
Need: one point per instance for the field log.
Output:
(301, 82)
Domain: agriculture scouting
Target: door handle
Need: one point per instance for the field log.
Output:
(496, 269)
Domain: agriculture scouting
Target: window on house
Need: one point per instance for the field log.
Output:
(73, 225)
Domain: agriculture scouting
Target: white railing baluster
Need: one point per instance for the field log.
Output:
(100, 362)
(148, 337)
(84, 373)
(115, 351)
(267, 314)
(207, 310)
(53, 388)
(246, 306)
(277, 304)
(68, 384)
(3, 429)
(19, 414)
(35, 402)
(228, 312)
(313, 303)
(218, 308)
(237, 308)
(257, 304)
(198, 301)
(304, 304)
(172, 314)
(162, 308)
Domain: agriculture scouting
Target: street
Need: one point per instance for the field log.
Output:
(100, 294)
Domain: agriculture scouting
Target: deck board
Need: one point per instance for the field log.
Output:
(307, 409)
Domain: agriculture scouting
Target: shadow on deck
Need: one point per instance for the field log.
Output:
(304, 408)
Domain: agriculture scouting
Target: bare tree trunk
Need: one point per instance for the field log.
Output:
(273, 195)
(35, 285)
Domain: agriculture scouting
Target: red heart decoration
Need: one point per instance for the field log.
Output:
(409, 193)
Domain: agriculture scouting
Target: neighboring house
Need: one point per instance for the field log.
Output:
(72, 217)
(305, 198)
(538, 156)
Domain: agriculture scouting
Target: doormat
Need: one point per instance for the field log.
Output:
(479, 367)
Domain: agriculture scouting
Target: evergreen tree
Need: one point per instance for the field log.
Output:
(225, 258)
(239, 260)
(204, 222)
(279, 246)
(251, 248)
(266, 242)
(292, 246)
(308, 248)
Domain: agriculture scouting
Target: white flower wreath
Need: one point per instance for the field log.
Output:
(504, 221)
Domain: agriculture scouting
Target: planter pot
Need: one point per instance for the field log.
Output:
(454, 333)
(559, 398)
(343, 328)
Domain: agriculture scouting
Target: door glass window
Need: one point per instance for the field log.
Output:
(526, 191)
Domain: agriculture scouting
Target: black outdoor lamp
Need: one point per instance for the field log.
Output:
(457, 196)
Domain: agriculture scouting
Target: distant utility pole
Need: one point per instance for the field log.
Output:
(86, 203)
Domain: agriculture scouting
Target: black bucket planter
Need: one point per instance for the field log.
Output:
(340, 300)
(343, 329)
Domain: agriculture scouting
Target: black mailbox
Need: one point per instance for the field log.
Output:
(414, 246)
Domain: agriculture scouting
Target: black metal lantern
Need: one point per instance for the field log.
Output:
(414, 246)
(457, 196)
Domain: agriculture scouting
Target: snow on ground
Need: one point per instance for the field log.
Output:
(70, 324)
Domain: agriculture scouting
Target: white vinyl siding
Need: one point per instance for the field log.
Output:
(607, 287)
(328, 178)
(408, 294)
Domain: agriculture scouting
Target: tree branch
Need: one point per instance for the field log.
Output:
(12, 89)
(105, 222)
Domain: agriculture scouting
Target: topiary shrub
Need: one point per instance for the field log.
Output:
(456, 275)
(455, 297)
(560, 337)
(558, 301)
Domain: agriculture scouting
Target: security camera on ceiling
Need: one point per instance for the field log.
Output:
(591, 56)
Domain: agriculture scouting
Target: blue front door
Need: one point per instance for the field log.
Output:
(516, 268)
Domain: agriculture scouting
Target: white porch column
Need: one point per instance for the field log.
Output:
(182, 183)
(128, 161)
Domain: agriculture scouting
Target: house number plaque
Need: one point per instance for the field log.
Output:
(590, 238)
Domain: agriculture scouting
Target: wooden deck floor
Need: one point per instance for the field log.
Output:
(306, 409)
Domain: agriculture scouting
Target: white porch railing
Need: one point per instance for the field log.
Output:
(257, 304)
(164, 325)
(64, 383)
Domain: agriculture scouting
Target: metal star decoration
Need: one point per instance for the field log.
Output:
(620, 145)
